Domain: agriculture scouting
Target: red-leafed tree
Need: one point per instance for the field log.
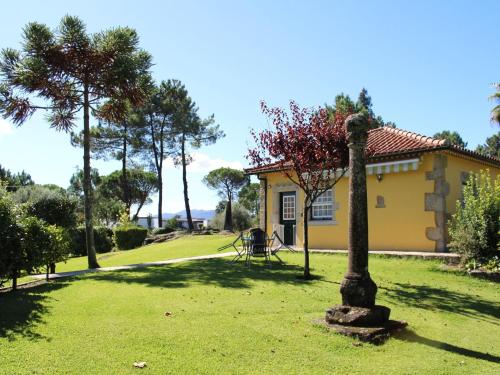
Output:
(310, 148)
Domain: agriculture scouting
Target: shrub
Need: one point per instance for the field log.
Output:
(164, 230)
(44, 244)
(129, 236)
(49, 203)
(241, 218)
(475, 225)
(103, 240)
(12, 256)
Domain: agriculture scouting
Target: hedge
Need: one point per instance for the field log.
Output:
(103, 240)
(129, 236)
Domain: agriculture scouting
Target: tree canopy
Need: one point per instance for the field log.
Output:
(491, 146)
(344, 105)
(68, 71)
(13, 180)
(189, 131)
(451, 136)
(248, 197)
(309, 146)
(49, 203)
(142, 185)
(227, 182)
(495, 111)
(155, 141)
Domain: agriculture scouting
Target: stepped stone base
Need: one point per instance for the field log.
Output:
(357, 316)
(369, 324)
(373, 335)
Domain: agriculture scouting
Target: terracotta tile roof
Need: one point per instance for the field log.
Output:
(387, 140)
(393, 143)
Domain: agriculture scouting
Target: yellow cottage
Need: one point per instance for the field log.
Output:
(413, 183)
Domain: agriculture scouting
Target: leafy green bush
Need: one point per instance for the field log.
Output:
(242, 219)
(164, 230)
(12, 256)
(44, 244)
(49, 203)
(103, 240)
(474, 228)
(129, 236)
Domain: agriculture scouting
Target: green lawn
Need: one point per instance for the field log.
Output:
(228, 319)
(187, 246)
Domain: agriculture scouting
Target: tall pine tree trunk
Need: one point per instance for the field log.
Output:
(307, 272)
(160, 198)
(184, 181)
(125, 187)
(14, 279)
(228, 219)
(87, 183)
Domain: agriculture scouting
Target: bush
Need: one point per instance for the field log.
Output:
(164, 230)
(242, 219)
(12, 257)
(49, 203)
(475, 225)
(103, 240)
(44, 244)
(129, 236)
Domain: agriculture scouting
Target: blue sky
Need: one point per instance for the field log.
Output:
(428, 66)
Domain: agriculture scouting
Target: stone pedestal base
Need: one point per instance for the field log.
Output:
(370, 324)
(373, 335)
(358, 316)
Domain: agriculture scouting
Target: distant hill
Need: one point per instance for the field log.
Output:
(198, 214)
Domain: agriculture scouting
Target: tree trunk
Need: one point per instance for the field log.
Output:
(184, 181)
(14, 279)
(52, 268)
(125, 187)
(160, 199)
(87, 183)
(228, 220)
(307, 272)
(47, 272)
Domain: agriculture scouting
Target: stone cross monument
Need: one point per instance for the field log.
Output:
(358, 289)
(358, 315)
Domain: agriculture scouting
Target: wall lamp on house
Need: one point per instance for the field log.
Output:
(380, 177)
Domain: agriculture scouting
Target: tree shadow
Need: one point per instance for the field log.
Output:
(410, 336)
(431, 298)
(22, 310)
(217, 272)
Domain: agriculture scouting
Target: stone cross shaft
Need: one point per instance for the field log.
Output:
(357, 288)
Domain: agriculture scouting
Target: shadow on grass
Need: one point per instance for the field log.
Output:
(22, 310)
(219, 272)
(412, 337)
(431, 298)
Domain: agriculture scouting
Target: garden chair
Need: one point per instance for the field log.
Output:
(240, 252)
(258, 246)
(281, 245)
(274, 251)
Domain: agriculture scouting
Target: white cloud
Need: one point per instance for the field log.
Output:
(5, 128)
(205, 163)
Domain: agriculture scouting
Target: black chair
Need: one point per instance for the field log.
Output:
(259, 246)
(281, 245)
(240, 253)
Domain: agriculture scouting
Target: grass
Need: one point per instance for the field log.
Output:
(186, 246)
(229, 319)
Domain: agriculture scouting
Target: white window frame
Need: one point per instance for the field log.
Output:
(325, 206)
(284, 211)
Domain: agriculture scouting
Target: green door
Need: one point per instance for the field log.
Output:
(287, 216)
